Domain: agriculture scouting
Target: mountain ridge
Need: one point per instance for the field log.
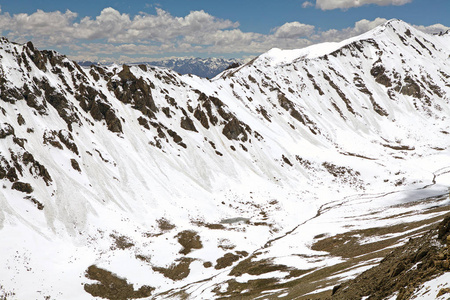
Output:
(202, 67)
(138, 170)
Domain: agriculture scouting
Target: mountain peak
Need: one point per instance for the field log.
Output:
(393, 31)
(395, 25)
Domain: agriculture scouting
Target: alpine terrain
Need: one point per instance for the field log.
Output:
(282, 178)
(202, 67)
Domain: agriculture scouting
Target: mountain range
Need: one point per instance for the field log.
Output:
(282, 178)
(202, 67)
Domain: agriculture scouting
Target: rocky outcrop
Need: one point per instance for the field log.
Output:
(6, 130)
(234, 130)
(22, 187)
(404, 269)
(379, 72)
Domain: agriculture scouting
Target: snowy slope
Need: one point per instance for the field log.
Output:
(147, 173)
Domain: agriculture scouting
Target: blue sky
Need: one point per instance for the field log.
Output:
(145, 30)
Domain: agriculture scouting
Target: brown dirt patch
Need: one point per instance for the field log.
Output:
(189, 239)
(121, 242)
(176, 271)
(165, 225)
(113, 287)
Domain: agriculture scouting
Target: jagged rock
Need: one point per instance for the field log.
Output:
(176, 138)
(75, 164)
(286, 160)
(396, 271)
(135, 91)
(20, 120)
(11, 174)
(62, 105)
(113, 121)
(36, 57)
(186, 123)
(31, 95)
(27, 158)
(410, 88)
(378, 72)
(126, 74)
(6, 130)
(201, 116)
(38, 204)
(22, 187)
(143, 122)
(95, 112)
(50, 139)
(233, 130)
(67, 139)
(42, 172)
(19, 141)
(166, 111)
(444, 229)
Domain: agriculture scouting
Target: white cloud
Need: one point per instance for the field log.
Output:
(55, 27)
(108, 24)
(345, 4)
(307, 4)
(436, 28)
(294, 30)
(112, 34)
(360, 27)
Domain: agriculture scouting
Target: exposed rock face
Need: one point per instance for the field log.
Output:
(22, 187)
(233, 130)
(186, 123)
(5, 130)
(378, 71)
(396, 272)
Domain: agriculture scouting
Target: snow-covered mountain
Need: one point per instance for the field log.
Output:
(202, 67)
(282, 177)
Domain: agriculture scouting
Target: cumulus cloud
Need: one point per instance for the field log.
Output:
(294, 30)
(345, 4)
(56, 27)
(52, 26)
(433, 29)
(360, 27)
(108, 24)
(307, 4)
(113, 35)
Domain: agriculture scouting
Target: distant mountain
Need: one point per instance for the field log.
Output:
(88, 63)
(281, 178)
(203, 67)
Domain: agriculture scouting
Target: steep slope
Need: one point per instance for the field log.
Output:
(403, 270)
(175, 183)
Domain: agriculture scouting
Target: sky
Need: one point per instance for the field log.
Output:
(145, 30)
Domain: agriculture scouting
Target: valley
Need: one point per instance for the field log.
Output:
(280, 178)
